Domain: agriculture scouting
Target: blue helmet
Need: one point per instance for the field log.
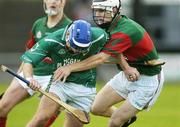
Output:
(79, 35)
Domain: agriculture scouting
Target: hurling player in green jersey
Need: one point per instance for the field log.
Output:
(139, 83)
(42, 27)
(66, 46)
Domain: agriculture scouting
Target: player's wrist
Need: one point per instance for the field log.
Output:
(29, 78)
(71, 68)
(125, 67)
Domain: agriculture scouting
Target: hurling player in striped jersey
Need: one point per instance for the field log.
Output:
(140, 80)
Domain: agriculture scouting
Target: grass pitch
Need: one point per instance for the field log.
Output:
(165, 112)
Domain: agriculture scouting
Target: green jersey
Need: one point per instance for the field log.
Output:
(54, 46)
(134, 42)
(39, 31)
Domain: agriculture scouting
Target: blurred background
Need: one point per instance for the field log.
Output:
(161, 18)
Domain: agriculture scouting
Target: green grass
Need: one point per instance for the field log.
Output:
(165, 113)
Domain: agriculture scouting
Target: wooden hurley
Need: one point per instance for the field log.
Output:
(79, 114)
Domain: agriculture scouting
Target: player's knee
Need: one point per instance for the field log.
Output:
(97, 110)
(113, 123)
(117, 121)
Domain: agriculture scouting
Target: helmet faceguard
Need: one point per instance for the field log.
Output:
(79, 36)
(109, 9)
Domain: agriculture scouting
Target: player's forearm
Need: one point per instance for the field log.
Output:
(131, 73)
(123, 63)
(28, 74)
(27, 70)
(89, 63)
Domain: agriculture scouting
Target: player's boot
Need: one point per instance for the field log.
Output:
(3, 121)
(130, 121)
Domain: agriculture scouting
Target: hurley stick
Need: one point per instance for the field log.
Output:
(79, 114)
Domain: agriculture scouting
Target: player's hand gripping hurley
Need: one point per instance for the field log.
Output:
(79, 114)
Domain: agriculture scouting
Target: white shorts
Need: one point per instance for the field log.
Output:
(42, 80)
(143, 93)
(78, 96)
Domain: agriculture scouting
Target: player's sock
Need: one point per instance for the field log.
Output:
(51, 120)
(3, 121)
(130, 121)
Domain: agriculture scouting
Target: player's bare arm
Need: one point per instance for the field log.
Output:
(28, 73)
(131, 73)
(63, 72)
